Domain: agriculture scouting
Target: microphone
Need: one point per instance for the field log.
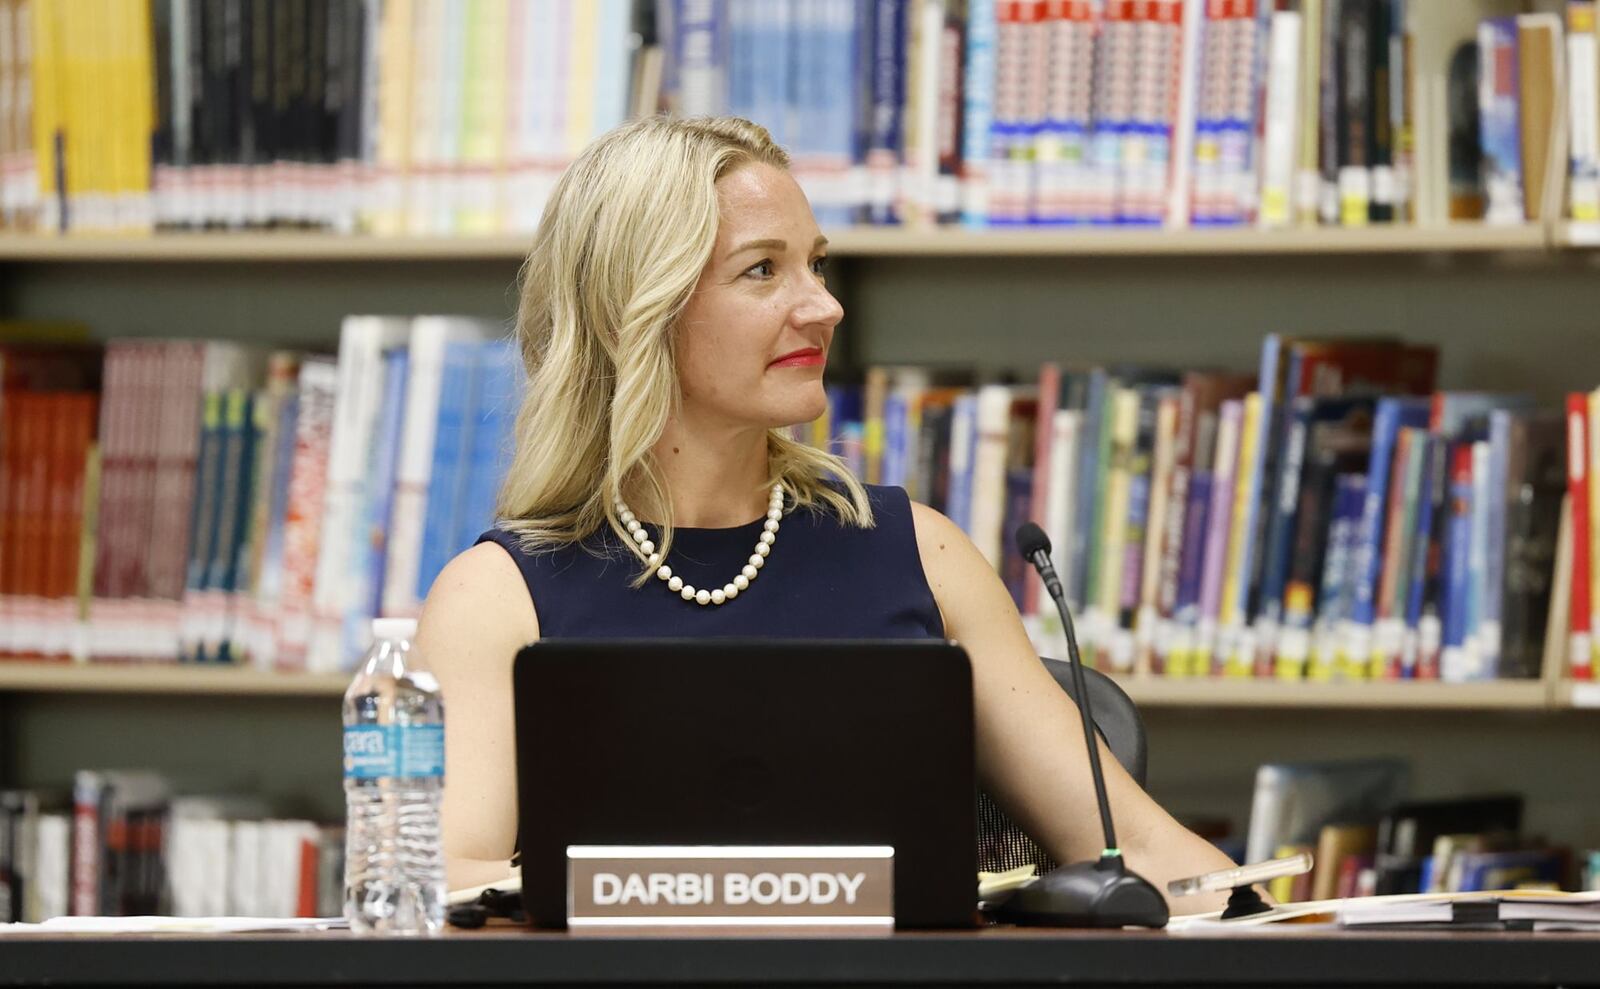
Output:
(1104, 893)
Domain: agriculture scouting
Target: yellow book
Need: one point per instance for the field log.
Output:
(138, 47)
(422, 179)
(84, 591)
(395, 55)
(579, 82)
(48, 98)
(1236, 662)
(483, 118)
(1114, 528)
(1308, 174)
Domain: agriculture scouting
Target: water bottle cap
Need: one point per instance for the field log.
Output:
(394, 628)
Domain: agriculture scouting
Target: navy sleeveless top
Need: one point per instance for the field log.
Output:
(823, 580)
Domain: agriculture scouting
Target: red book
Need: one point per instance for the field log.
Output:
(1578, 495)
(1043, 433)
(306, 902)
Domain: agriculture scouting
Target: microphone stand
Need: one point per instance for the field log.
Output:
(1103, 893)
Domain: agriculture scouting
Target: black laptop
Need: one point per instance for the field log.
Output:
(750, 742)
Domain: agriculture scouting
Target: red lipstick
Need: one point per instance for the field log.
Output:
(809, 357)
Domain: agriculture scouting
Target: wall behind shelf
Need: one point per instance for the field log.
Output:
(1528, 321)
(1202, 761)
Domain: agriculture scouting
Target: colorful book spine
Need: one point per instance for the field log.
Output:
(1392, 414)
(1235, 652)
(1583, 113)
(977, 111)
(1500, 129)
(1579, 474)
(1219, 520)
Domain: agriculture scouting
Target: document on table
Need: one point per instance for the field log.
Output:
(1540, 909)
(174, 925)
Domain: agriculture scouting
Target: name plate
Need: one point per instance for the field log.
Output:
(718, 885)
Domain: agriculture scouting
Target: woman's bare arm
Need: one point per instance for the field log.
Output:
(477, 616)
(1030, 749)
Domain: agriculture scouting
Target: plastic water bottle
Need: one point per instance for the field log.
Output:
(393, 781)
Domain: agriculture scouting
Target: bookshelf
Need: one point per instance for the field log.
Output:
(21, 676)
(1511, 307)
(24, 677)
(870, 242)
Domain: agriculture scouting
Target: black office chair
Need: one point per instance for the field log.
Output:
(1001, 844)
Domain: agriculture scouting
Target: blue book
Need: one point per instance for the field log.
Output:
(963, 431)
(978, 107)
(233, 520)
(886, 136)
(1333, 599)
(202, 526)
(895, 457)
(452, 443)
(499, 386)
(1392, 414)
(1457, 575)
(1429, 500)
(384, 468)
(1500, 130)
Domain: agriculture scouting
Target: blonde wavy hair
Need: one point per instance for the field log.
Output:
(620, 247)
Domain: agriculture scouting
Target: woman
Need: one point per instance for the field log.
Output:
(674, 317)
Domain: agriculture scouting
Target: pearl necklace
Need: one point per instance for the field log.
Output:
(728, 591)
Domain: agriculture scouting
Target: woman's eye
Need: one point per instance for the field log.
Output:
(762, 268)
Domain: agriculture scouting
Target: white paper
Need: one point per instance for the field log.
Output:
(184, 925)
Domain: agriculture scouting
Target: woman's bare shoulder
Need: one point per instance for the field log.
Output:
(480, 596)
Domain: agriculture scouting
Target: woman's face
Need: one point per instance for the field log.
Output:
(755, 333)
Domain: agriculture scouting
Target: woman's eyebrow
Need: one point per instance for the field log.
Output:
(770, 244)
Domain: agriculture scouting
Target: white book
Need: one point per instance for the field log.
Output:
(922, 157)
(280, 854)
(429, 335)
(1283, 123)
(1060, 503)
(244, 876)
(362, 341)
(52, 863)
(197, 850)
(989, 471)
(1583, 119)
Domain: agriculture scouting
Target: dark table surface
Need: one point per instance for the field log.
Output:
(989, 957)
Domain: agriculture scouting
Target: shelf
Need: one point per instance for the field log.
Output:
(164, 678)
(1154, 692)
(1573, 234)
(1577, 694)
(1151, 692)
(1463, 238)
(845, 242)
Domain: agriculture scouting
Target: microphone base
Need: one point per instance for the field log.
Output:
(1087, 895)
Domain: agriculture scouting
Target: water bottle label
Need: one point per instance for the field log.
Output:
(422, 751)
(370, 752)
(377, 751)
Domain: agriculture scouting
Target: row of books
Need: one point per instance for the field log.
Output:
(122, 844)
(211, 501)
(388, 116)
(1331, 517)
(434, 117)
(1368, 837)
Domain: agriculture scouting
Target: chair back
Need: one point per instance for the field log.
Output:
(1001, 844)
